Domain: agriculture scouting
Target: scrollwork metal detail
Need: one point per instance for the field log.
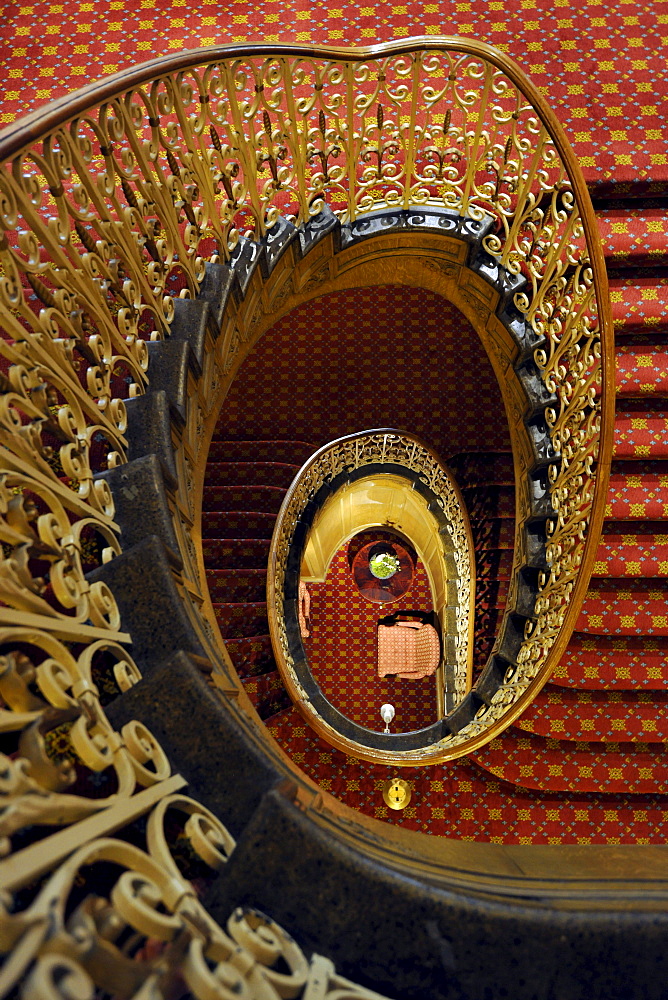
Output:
(373, 448)
(127, 920)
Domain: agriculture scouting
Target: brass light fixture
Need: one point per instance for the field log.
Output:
(397, 793)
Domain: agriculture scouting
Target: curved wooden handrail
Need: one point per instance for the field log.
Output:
(405, 452)
(48, 333)
(127, 273)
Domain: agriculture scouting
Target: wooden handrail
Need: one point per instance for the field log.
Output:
(141, 216)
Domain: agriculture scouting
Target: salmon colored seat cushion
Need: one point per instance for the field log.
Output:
(408, 649)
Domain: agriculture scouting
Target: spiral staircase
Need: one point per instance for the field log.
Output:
(170, 827)
(592, 742)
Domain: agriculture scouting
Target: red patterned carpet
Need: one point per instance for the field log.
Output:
(602, 65)
(465, 802)
(586, 764)
(342, 651)
(371, 357)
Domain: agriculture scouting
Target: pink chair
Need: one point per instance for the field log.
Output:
(408, 649)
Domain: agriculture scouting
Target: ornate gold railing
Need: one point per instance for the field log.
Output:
(144, 931)
(331, 465)
(112, 201)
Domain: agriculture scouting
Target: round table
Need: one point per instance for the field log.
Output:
(382, 591)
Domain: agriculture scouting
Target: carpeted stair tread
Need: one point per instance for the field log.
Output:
(291, 452)
(251, 656)
(260, 499)
(607, 189)
(637, 555)
(575, 766)
(493, 564)
(492, 536)
(482, 470)
(240, 621)
(637, 496)
(238, 524)
(490, 502)
(641, 369)
(234, 585)
(487, 616)
(608, 716)
(641, 434)
(287, 723)
(608, 662)
(231, 553)
(267, 693)
(639, 304)
(464, 801)
(492, 593)
(634, 238)
(251, 473)
(625, 607)
(487, 621)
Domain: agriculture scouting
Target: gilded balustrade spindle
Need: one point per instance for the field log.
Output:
(112, 202)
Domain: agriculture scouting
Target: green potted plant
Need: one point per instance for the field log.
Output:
(383, 565)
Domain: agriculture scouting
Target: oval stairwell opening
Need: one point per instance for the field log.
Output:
(394, 352)
(488, 214)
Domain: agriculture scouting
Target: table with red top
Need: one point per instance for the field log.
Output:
(382, 591)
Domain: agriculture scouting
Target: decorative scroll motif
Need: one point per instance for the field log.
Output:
(127, 921)
(119, 207)
(114, 210)
(347, 455)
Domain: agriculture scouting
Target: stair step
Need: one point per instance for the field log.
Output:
(639, 305)
(609, 716)
(625, 607)
(250, 473)
(478, 806)
(288, 727)
(291, 452)
(611, 662)
(261, 499)
(267, 693)
(493, 536)
(490, 502)
(487, 621)
(483, 648)
(568, 766)
(239, 553)
(494, 564)
(251, 656)
(240, 621)
(472, 470)
(641, 434)
(236, 585)
(238, 524)
(637, 496)
(636, 555)
(636, 237)
(641, 369)
(491, 593)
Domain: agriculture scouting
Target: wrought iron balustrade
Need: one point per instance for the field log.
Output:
(117, 204)
(370, 454)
